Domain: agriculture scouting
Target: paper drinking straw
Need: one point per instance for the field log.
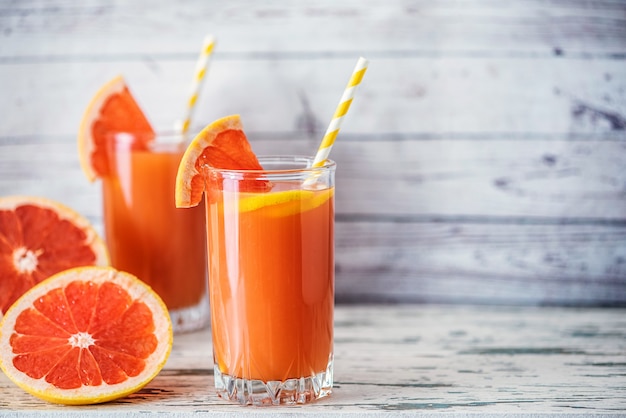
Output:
(198, 78)
(340, 112)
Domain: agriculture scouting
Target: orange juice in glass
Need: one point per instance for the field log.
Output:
(147, 235)
(271, 280)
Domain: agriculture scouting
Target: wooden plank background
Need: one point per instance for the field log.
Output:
(483, 159)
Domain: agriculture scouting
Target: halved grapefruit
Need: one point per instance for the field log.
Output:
(38, 238)
(113, 109)
(85, 335)
(221, 144)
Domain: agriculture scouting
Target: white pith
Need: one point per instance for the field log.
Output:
(25, 260)
(81, 340)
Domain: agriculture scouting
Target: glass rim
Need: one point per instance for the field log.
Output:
(278, 158)
(161, 142)
(157, 137)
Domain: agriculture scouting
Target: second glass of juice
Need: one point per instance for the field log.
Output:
(147, 235)
(271, 280)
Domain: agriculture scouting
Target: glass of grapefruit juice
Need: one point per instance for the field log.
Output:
(147, 235)
(271, 280)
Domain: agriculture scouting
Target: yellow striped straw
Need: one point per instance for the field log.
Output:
(340, 112)
(198, 78)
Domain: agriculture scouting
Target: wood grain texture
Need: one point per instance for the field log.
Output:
(483, 159)
(248, 27)
(386, 177)
(399, 261)
(501, 98)
(408, 360)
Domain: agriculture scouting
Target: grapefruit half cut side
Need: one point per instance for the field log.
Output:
(38, 238)
(85, 335)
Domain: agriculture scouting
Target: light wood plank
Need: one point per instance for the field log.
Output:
(481, 263)
(95, 28)
(418, 179)
(458, 96)
(519, 178)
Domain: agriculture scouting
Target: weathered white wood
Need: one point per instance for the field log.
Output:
(411, 178)
(453, 177)
(94, 27)
(483, 159)
(406, 360)
(502, 97)
(463, 262)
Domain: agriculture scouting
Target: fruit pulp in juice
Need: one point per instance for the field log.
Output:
(271, 282)
(147, 235)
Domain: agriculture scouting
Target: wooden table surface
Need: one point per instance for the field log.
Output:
(412, 360)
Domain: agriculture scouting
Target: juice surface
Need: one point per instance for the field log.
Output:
(147, 235)
(272, 282)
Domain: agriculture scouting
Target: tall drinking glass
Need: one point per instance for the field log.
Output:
(147, 235)
(271, 280)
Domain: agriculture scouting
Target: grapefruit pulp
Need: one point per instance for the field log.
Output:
(38, 238)
(85, 335)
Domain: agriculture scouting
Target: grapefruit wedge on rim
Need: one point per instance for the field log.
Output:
(86, 335)
(38, 238)
(113, 109)
(221, 144)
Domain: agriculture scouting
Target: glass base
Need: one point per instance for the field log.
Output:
(192, 318)
(289, 392)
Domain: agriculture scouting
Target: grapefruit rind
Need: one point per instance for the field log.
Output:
(86, 145)
(84, 395)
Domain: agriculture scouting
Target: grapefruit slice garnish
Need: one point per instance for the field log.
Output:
(221, 144)
(38, 238)
(113, 109)
(85, 335)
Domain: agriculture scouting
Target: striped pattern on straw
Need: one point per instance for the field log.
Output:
(198, 78)
(340, 112)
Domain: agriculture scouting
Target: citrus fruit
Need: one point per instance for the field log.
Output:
(221, 144)
(113, 109)
(85, 335)
(38, 238)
